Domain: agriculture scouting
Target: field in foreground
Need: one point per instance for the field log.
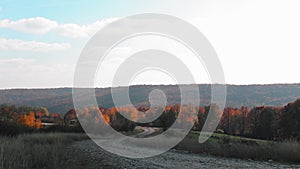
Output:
(37, 151)
(66, 150)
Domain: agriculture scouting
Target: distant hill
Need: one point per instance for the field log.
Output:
(60, 99)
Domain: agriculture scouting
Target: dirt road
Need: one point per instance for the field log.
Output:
(92, 156)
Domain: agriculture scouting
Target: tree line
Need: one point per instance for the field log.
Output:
(264, 122)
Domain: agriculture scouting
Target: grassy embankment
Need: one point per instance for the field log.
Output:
(224, 145)
(240, 147)
(37, 151)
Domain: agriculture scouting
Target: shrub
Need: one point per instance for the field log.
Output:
(13, 129)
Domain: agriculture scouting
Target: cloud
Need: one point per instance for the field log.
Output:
(19, 61)
(20, 73)
(16, 44)
(40, 25)
(36, 25)
(82, 31)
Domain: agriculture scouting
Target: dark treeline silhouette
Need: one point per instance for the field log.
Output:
(274, 123)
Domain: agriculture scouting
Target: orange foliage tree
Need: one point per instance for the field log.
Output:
(30, 120)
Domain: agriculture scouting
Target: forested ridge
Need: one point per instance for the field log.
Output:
(60, 99)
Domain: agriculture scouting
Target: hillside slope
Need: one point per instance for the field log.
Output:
(60, 99)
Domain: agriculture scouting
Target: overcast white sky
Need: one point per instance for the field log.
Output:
(258, 42)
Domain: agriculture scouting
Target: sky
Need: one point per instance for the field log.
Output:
(257, 42)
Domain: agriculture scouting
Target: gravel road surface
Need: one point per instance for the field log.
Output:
(91, 156)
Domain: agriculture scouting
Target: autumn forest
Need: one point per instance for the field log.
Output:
(263, 122)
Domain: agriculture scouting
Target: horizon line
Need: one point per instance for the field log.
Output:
(70, 87)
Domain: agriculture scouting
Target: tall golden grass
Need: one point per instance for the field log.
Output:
(36, 151)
